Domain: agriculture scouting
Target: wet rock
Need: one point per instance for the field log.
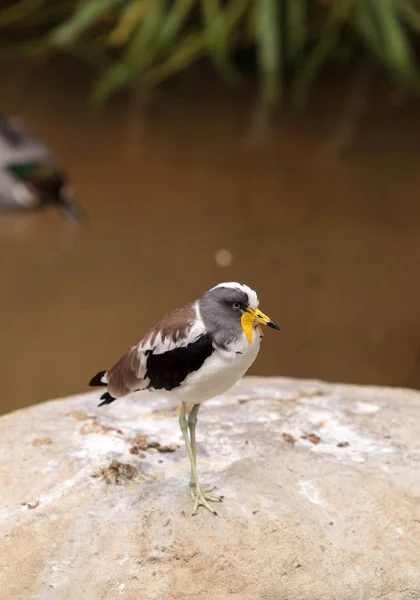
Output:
(301, 520)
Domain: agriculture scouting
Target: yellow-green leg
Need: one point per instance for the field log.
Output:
(192, 422)
(201, 497)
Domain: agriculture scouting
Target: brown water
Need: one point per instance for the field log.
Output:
(332, 246)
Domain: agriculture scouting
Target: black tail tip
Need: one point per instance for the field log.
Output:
(97, 381)
(106, 399)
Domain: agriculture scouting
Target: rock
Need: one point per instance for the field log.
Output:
(83, 518)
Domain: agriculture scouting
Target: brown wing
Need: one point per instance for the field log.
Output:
(179, 328)
(125, 375)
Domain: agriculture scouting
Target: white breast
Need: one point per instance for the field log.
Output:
(220, 371)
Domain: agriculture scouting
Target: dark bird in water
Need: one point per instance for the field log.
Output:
(29, 175)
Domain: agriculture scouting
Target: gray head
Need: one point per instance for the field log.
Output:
(231, 309)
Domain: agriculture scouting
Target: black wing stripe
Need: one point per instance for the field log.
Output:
(168, 370)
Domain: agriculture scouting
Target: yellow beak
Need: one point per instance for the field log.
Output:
(254, 314)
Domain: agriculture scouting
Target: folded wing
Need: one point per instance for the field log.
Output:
(175, 347)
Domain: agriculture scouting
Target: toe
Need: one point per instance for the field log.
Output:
(214, 498)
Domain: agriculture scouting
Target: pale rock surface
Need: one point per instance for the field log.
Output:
(335, 516)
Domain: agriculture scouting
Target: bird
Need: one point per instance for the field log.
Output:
(30, 178)
(194, 353)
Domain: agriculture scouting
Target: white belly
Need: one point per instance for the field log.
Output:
(219, 372)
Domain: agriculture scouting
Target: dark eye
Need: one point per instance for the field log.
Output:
(236, 305)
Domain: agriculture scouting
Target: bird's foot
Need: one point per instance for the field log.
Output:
(202, 497)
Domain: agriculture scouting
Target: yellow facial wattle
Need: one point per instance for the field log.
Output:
(254, 314)
(247, 321)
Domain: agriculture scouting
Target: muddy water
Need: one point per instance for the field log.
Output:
(332, 246)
